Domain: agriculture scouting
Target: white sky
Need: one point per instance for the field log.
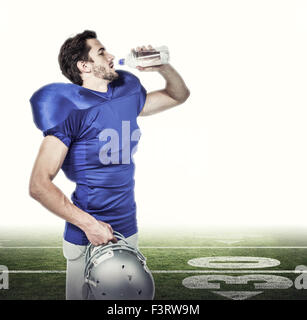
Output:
(233, 154)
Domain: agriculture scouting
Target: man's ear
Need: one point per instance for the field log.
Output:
(83, 66)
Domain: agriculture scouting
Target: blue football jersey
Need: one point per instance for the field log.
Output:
(101, 131)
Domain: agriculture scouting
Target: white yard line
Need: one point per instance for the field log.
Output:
(33, 271)
(201, 247)
(175, 271)
(3, 247)
(229, 271)
(228, 247)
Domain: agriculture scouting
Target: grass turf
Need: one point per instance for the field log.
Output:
(168, 285)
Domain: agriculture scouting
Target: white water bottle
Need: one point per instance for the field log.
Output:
(146, 58)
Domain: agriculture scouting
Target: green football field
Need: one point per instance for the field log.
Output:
(255, 264)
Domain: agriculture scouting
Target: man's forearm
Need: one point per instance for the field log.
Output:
(52, 198)
(175, 86)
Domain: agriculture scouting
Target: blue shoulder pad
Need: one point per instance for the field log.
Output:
(127, 83)
(52, 103)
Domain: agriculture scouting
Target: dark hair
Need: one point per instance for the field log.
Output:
(73, 50)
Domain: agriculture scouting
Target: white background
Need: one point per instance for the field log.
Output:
(233, 154)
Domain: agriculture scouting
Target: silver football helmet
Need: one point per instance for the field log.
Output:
(117, 271)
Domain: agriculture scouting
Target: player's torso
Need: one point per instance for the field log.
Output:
(106, 143)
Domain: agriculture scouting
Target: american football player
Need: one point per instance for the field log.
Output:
(90, 132)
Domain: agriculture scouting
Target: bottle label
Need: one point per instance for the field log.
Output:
(146, 53)
(148, 58)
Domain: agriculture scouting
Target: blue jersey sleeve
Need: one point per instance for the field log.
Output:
(68, 130)
(143, 94)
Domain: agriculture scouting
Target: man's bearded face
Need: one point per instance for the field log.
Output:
(102, 73)
(103, 65)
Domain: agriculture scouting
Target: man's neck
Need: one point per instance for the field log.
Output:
(92, 84)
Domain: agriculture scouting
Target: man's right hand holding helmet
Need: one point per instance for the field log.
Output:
(99, 233)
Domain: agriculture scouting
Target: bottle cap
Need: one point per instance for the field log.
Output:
(121, 61)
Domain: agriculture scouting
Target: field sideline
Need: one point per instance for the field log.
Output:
(213, 264)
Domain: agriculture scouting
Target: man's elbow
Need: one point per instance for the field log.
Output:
(36, 189)
(187, 95)
(184, 96)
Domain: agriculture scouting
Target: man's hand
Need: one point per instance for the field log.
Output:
(100, 233)
(152, 68)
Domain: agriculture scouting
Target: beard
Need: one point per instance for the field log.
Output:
(101, 73)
